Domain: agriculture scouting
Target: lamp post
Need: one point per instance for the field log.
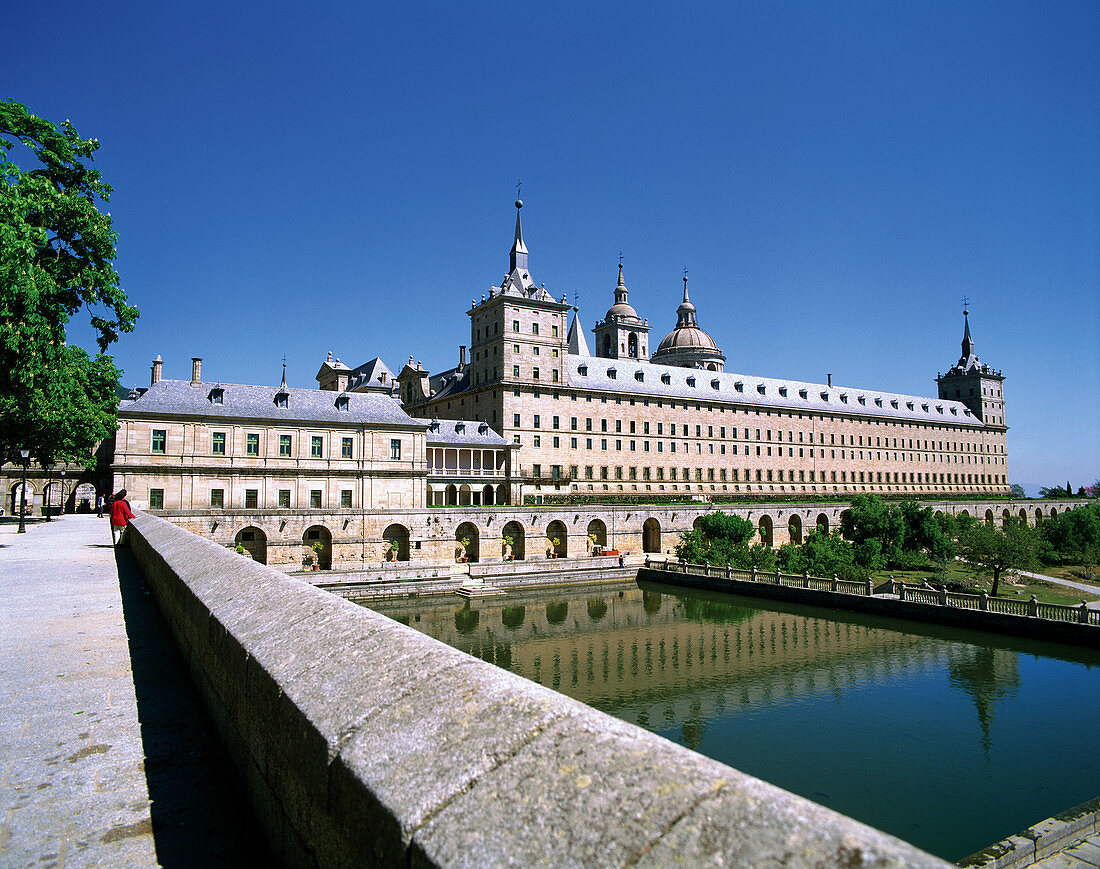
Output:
(23, 455)
(61, 506)
(47, 496)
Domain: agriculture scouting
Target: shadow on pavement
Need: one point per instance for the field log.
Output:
(200, 814)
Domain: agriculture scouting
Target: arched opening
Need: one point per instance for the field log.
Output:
(466, 542)
(794, 530)
(1038, 516)
(487, 496)
(607, 346)
(451, 496)
(53, 497)
(1006, 516)
(84, 498)
(557, 540)
(16, 490)
(964, 512)
(989, 517)
(317, 546)
(1023, 514)
(512, 546)
(597, 536)
(1053, 511)
(254, 542)
(464, 495)
(502, 494)
(822, 523)
(632, 345)
(396, 538)
(651, 535)
(697, 524)
(765, 526)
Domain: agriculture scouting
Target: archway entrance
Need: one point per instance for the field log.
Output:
(13, 500)
(322, 554)
(822, 523)
(597, 536)
(396, 539)
(651, 535)
(794, 530)
(765, 527)
(989, 518)
(513, 532)
(254, 542)
(466, 542)
(557, 539)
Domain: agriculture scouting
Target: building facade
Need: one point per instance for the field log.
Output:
(621, 423)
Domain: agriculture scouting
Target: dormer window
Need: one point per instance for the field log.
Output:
(582, 370)
(761, 389)
(611, 372)
(714, 383)
(939, 408)
(342, 403)
(909, 405)
(878, 402)
(639, 376)
(666, 379)
(803, 393)
(739, 386)
(924, 407)
(483, 428)
(955, 411)
(434, 425)
(844, 397)
(691, 381)
(783, 391)
(862, 399)
(460, 428)
(217, 395)
(824, 396)
(282, 399)
(894, 403)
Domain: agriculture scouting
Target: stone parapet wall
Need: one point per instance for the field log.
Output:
(363, 742)
(1040, 840)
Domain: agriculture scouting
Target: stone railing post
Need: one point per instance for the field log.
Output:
(778, 577)
(805, 579)
(870, 586)
(1033, 606)
(900, 586)
(754, 573)
(832, 584)
(943, 596)
(983, 600)
(729, 572)
(1083, 613)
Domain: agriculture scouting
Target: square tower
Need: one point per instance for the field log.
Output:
(976, 385)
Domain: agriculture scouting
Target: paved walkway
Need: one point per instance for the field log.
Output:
(1083, 855)
(106, 754)
(1068, 583)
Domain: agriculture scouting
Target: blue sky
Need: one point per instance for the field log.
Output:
(298, 178)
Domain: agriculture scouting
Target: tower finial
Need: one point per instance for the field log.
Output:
(518, 257)
(283, 384)
(686, 299)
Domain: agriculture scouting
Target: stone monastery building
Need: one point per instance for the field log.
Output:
(534, 415)
(618, 420)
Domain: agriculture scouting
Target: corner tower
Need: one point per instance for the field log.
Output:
(975, 384)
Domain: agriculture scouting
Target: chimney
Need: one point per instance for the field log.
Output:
(461, 357)
(830, 379)
(158, 364)
(196, 370)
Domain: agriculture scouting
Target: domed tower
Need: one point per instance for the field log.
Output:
(622, 334)
(688, 346)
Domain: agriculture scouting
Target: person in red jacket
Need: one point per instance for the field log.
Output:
(121, 514)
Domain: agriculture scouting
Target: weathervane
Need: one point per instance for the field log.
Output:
(519, 184)
(966, 303)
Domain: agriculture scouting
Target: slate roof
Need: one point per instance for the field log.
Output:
(447, 431)
(180, 398)
(374, 373)
(767, 392)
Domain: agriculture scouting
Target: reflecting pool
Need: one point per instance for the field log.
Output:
(948, 739)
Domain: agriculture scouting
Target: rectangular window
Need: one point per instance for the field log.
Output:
(345, 448)
(395, 448)
(554, 333)
(536, 470)
(252, 445)
(284, 498)
(534, 374)
(315, 498)
(515, 325)
(156, 499)
(217, 497)
(538, 421)
(217, 443)
(515, 371)
(316, 447)
(345, 498)
(284, 446)
(515, 420)
(555, 422)
(534, 328)
(251, 499)
(159, 438)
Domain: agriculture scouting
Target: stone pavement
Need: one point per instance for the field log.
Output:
(1083, 855)
(106, 754)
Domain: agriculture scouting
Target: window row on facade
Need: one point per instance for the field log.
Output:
(257, 445)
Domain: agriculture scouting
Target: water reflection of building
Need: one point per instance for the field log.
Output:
(647, 656)
(988, 676)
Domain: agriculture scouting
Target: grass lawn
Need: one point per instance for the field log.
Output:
(1011, 586)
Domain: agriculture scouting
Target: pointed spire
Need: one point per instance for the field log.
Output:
(967, 345)
(576, 345)
(518, 258)
(685, 314)
(621, 291)
(283, 384)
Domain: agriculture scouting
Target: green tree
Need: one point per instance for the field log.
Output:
(875, 529)
(1018, 491)
(1071, 534)
(57, 251)
(995, 550)
(821, 555)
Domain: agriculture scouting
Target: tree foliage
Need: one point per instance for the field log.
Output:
(1073, 535)
(821, 555)
(721, 538)
(57, 251)
(993, 550)
(901, 535)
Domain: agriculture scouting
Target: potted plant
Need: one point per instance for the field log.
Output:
(463, 552)
(595, 544)
(318, 547)
(552, 548)
(509, 542)
(393, 550)
(240, 550)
